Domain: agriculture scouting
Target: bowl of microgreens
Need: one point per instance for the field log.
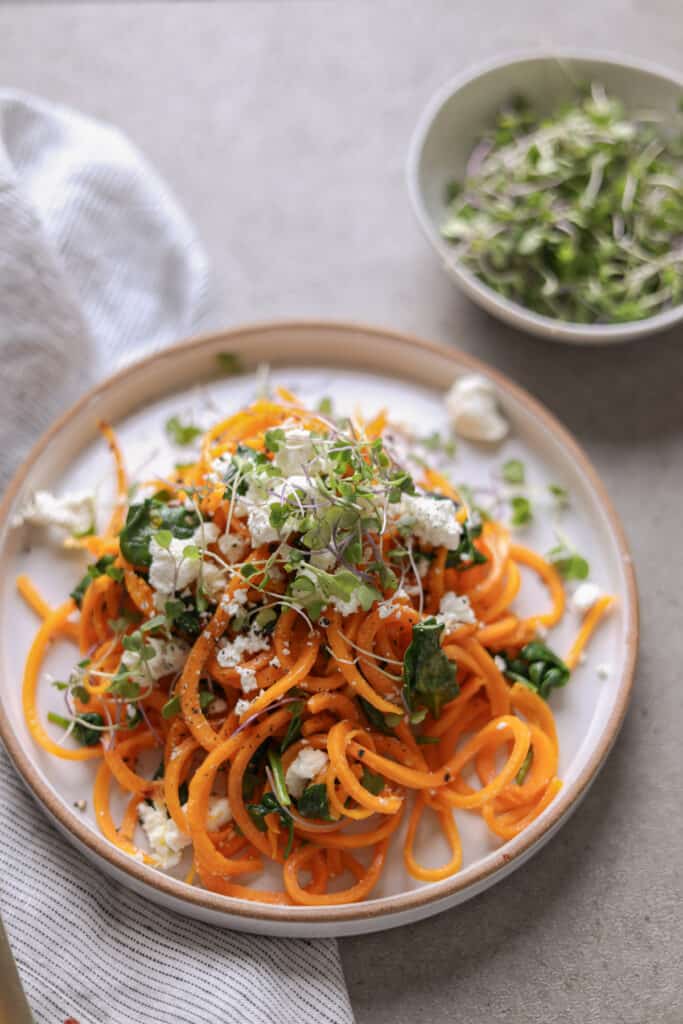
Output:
(552, 190)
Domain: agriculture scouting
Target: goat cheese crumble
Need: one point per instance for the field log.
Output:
(166, 840)
(169, 657)
(220, 813)
(258, 521)
(232, 547)
(431, 520)
(297, 453)
(233, 652)
(305, 766)
(170, 570)
(247, 679)
(455, 611)
(214, 580)
(74, 513)
(349, 607)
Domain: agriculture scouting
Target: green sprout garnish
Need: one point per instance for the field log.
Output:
(577, 216)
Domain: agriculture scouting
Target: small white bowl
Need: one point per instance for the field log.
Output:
(465, 107)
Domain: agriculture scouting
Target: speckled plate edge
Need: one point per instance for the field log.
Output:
(388, 911)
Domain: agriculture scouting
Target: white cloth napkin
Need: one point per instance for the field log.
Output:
(97, 264)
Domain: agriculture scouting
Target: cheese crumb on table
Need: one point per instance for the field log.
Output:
(473, 408)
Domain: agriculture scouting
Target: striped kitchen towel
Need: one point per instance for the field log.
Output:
(98, 264)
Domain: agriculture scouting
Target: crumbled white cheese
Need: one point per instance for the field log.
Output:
(220, 813)
(431, 520)
(472, 405)
(385, 610)
(233, 547)
(205, 534)
(305, 766)
(214, 580)
(258, 521)
(234, 603)
(170, 571)
(604, 671)
(233, 652)
(297, 454)
(585, 596)
(247, 679)
(242, 706)
(169, 657)
(164, 836)
(349, 607)
(74, 513)
(274, 662)
(500, 663)
(455, 611)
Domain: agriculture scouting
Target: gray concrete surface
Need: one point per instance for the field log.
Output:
(283, 129)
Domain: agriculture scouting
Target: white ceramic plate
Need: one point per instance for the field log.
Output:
(374, 369)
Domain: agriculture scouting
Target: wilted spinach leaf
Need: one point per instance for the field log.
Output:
(146, 519)
(429, 677)
(539, 668)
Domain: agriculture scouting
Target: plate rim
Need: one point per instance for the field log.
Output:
(417, 901)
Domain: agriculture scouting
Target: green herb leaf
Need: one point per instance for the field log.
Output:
(183, 615)
(87, 730)
(466, 554)
(429, 677)
(294, 728)
(373, 783)
(524, 767)
(539, 668)
(378, 721)
(172, 706)
(274, 439)
(182, 433)
(560, 494)
(568, 563)
(269, 805)
(279, 784)
(313, 802)
(521, 510)
(513, 471)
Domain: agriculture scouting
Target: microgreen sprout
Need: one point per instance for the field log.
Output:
(577, 216)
